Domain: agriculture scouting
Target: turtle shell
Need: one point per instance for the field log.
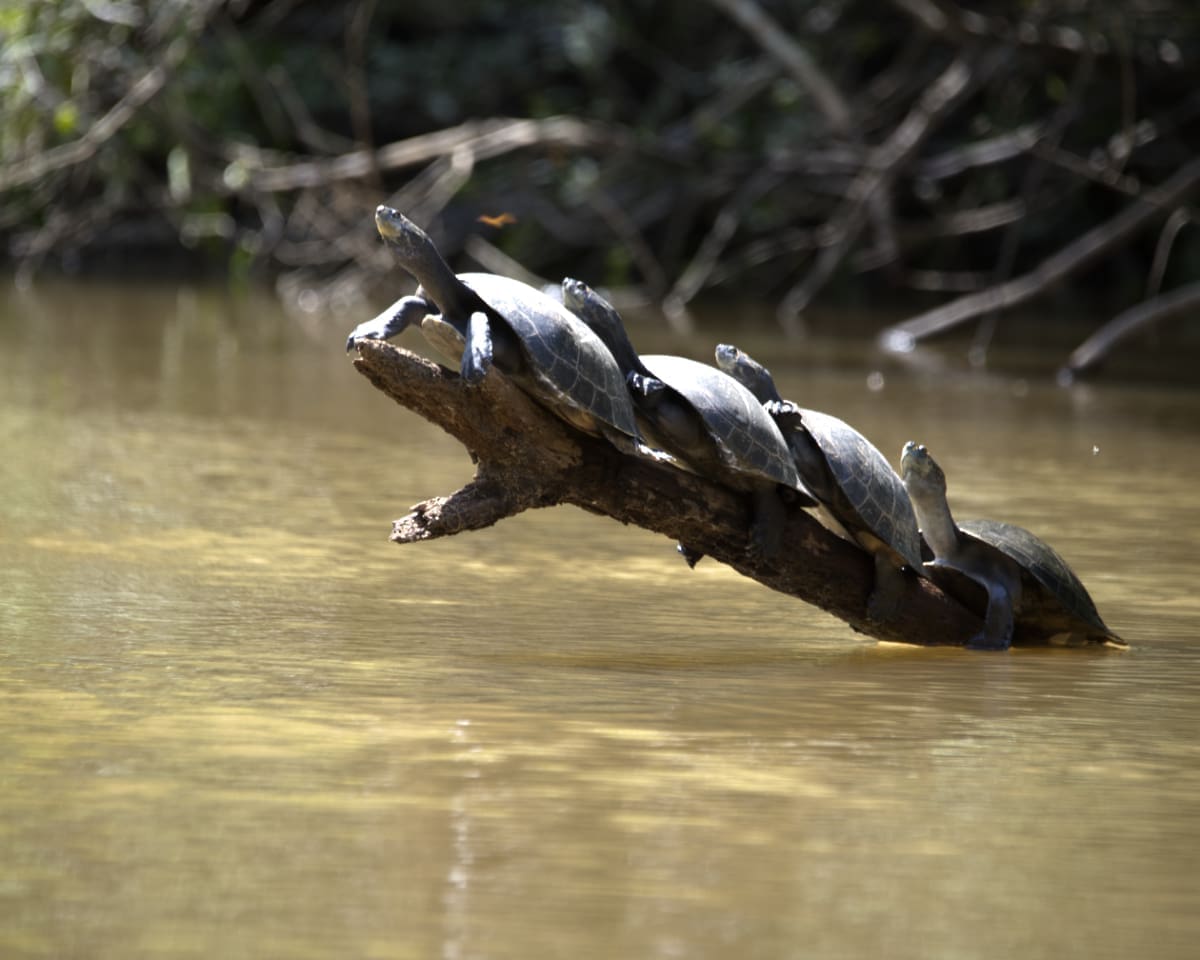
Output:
(745, 435)
(870, 485)
(572, 366)
(1058, 602)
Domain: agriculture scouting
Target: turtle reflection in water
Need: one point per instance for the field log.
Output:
(1030, 589)
(541, 346)
(853, 481)
(707, 420)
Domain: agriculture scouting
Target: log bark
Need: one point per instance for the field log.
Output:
(527, 458)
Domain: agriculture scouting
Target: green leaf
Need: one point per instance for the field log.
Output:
(66, 118)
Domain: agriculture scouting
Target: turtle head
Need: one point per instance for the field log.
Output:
(408, 240)
(747, 371)
(419, 256)
(604, 321)
(729, 356)
(926, 486)
(920, 472)
(576, 294)
(586, 303)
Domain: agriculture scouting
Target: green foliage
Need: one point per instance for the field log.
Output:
(269, 82)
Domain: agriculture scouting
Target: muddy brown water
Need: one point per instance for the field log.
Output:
(236, 721)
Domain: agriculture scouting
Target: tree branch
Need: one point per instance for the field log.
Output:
(1074, 256)
(144, 89)
(484, 139)
(527, 458)
(1094, 349)
(826, 95)
(883, 165)
(793, 58)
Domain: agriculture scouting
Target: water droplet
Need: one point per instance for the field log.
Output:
(897, 341)
(875, 381)
(308, 301)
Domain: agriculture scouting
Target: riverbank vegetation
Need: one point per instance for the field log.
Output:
(957, 159)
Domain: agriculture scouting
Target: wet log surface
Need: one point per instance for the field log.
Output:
(526, 457)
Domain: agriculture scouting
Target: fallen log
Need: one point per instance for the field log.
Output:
(526, 457)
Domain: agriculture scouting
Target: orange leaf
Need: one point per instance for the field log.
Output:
(500, 220)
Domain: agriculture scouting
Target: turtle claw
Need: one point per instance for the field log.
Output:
(359, 333)
(981, 642)
(785, 413)
(644, 386)
(374, 329)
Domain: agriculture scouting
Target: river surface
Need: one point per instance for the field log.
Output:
(235, 721)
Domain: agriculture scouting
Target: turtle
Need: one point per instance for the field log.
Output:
(1030, 589)
(853, 481)
(530, 337)
(704, 418)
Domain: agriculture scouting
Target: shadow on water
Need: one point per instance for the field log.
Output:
(237, 721)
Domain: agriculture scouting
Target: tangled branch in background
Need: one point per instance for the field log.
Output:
(831, 151)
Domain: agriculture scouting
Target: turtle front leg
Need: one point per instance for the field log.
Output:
(997, 622)
(766, 530)
(392, 321)
(785, 414)
(479, 350)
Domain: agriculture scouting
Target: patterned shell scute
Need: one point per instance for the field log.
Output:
(748, 438)
(1040, 561)
(571, 362)
(869, 483)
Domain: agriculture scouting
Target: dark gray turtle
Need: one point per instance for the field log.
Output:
(530, 337)
(853, 481)
(705, 419)
(1030, 588)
